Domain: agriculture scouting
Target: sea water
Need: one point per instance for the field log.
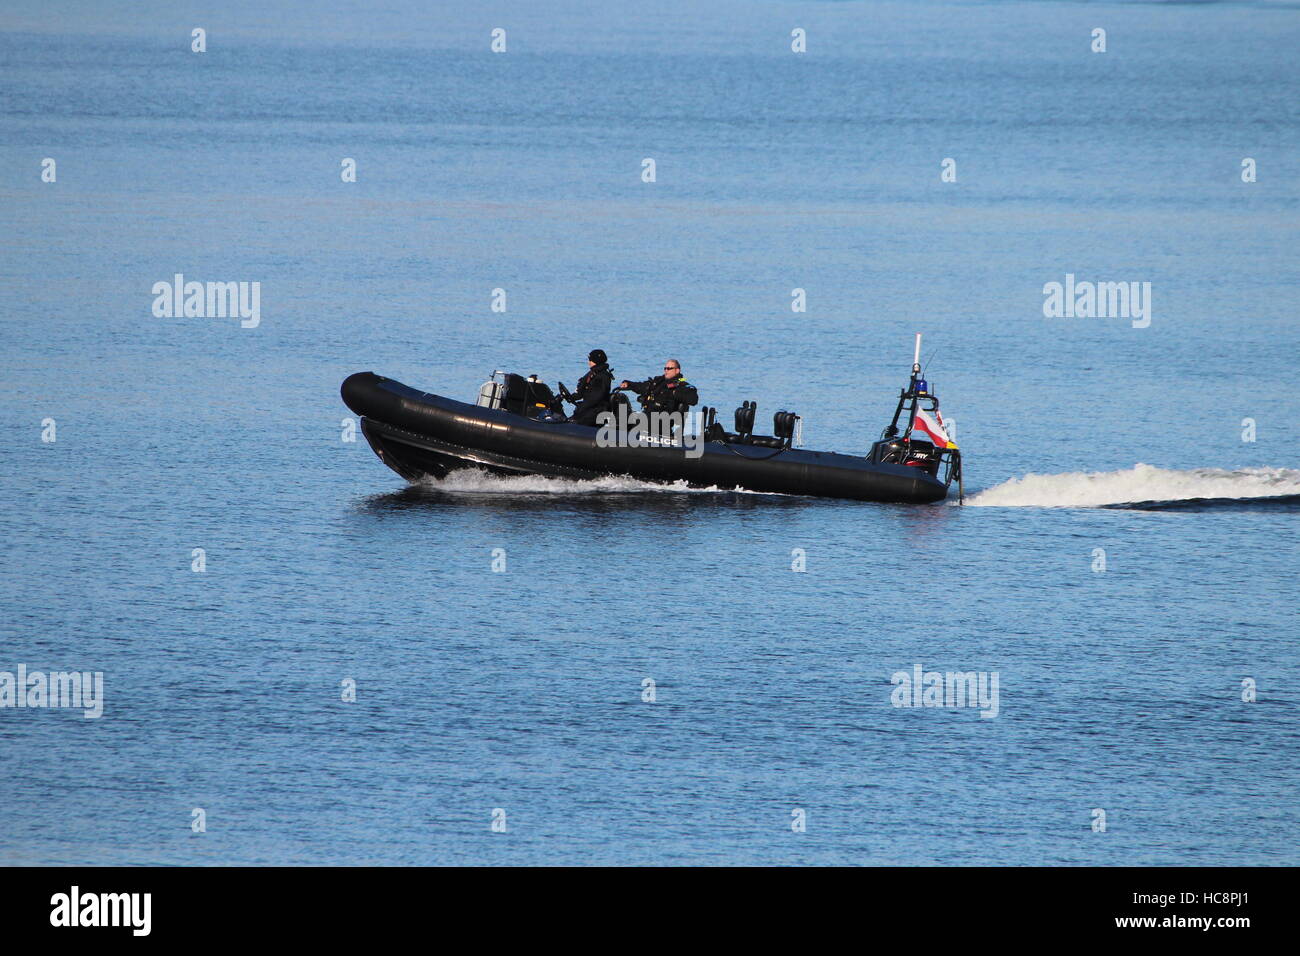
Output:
(306, 660)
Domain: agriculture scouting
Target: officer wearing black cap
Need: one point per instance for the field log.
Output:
(591, 396)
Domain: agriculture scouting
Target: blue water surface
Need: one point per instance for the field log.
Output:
(522, 690)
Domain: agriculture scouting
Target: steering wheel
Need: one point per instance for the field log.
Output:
(563, 392)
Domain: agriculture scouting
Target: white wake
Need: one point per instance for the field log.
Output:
(1141, 483)
(478, 482)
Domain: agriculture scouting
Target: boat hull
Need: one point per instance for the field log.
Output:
(420, 434)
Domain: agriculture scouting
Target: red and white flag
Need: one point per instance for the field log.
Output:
(928, 426)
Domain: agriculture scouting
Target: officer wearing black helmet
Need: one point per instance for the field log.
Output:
(591, 395)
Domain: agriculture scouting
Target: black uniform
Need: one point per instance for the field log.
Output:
(591, 395)
(661, 394)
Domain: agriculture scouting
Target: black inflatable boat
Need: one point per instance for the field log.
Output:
(517, 428)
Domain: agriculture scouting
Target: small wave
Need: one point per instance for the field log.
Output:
(1262, 503)
(1146, 487)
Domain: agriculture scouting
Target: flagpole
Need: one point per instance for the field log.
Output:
(916, 370)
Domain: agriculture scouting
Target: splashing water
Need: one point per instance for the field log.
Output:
(1139, 484)
(476, 481)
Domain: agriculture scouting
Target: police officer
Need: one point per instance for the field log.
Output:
(591, 395)
(669, 392)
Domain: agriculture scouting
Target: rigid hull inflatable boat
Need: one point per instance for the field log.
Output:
(515, 429)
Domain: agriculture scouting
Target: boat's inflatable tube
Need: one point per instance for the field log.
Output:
(417, 434)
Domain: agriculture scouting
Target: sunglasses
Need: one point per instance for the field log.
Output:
(669, 368)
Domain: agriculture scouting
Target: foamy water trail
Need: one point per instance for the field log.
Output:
(1141, 483)
(478, 482)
